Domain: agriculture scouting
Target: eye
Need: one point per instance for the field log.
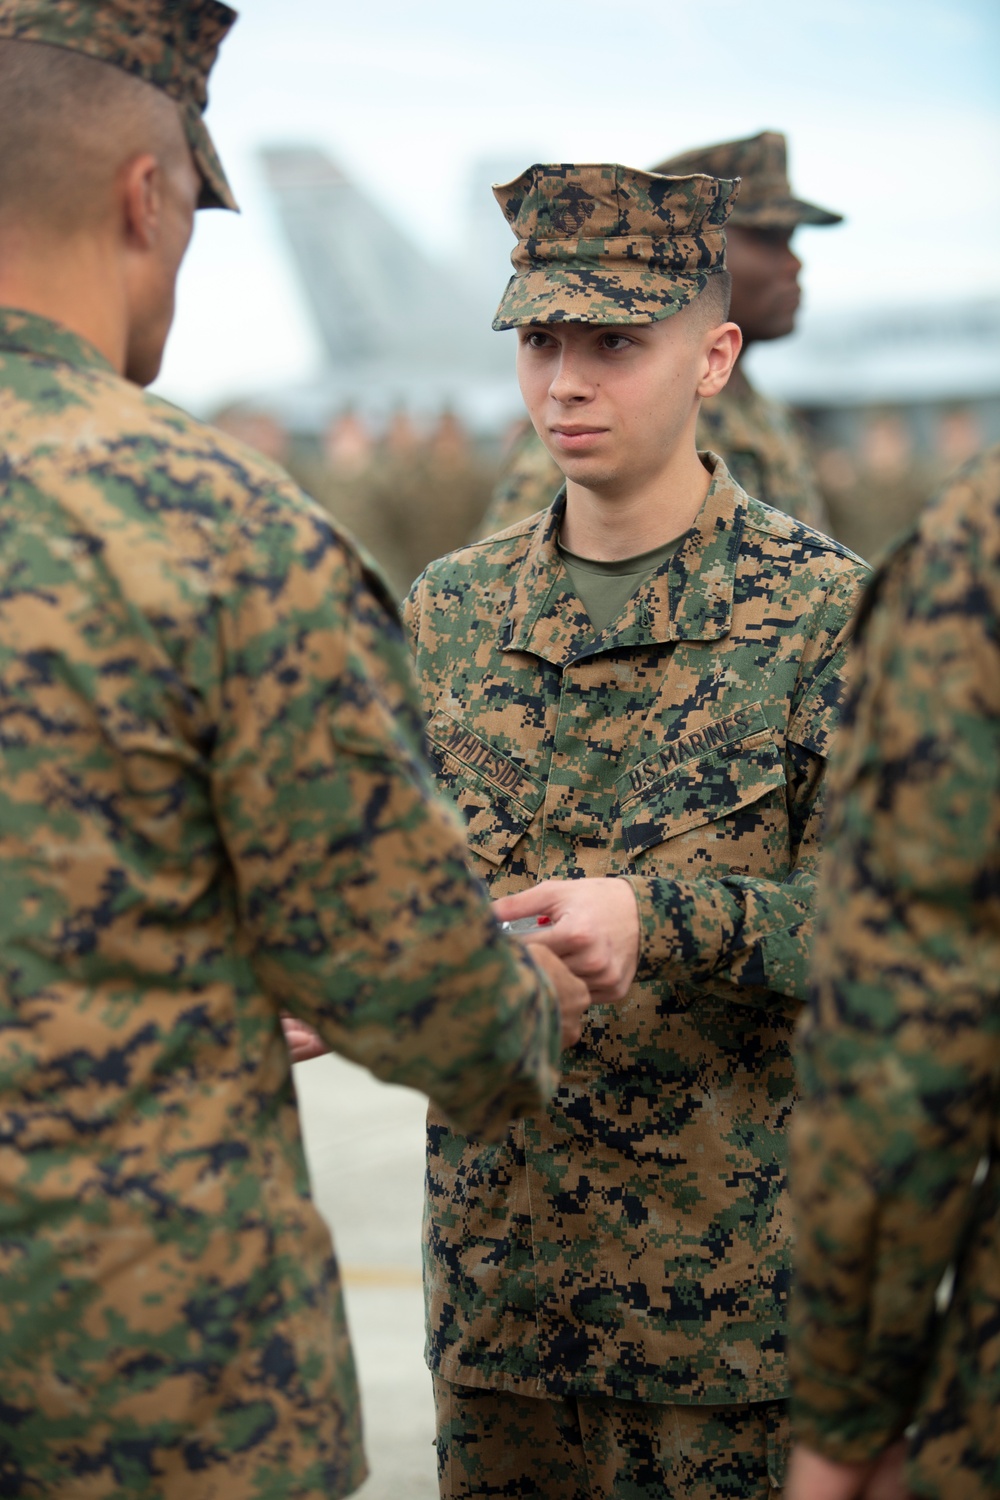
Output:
(535, 338)
(614, 342)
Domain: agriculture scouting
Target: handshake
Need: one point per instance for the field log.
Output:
(583, 934)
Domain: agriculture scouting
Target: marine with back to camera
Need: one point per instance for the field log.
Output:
(213, 806)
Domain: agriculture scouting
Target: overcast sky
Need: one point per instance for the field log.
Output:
(892, 108)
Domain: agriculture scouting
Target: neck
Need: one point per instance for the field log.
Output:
(69, 283)
(608, 525)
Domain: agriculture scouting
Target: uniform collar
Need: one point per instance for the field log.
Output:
(27, 333)
(689, 598)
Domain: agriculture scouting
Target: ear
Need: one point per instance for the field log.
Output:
(721, 351)
(140, 197)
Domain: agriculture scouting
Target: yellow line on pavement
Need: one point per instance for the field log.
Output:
(380, 1276)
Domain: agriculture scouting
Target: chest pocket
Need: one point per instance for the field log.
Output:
(726, 769)
(496, 796)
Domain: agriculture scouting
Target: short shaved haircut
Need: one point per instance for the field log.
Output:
(67, 123)
(711, 305)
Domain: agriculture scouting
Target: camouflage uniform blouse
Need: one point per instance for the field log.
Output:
(211, 808)
(632, 1240)
(897, 1142)
(757, 438)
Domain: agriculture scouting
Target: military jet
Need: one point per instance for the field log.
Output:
(397, 330)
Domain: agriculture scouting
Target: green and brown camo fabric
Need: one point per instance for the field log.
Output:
(760, 162)
(609, 244)
(594, 1448)
(632, 1240)
(171, 44)
(897, 1142)
(212, 808)
(756, 437)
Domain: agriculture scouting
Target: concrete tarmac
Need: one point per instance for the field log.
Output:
(365, 1146)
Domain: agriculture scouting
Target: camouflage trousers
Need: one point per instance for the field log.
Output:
(494, 1444)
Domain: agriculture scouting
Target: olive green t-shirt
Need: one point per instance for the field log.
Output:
(604, 588)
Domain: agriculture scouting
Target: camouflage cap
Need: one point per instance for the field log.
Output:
(171, 44)
(609, 244)
(761, 163)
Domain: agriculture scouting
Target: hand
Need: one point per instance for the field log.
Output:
(812, 1477)
(594, 929)
(303, 1042)
(572, 995)
(888, 1482)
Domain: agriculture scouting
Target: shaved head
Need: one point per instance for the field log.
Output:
(67, 124)
(711, 306)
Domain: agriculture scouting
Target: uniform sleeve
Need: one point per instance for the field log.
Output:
(359, 912)
(899, 1055)
(742, 936)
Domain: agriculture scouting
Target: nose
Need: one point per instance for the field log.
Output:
(570, 383)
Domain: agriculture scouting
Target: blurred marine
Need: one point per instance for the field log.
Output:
(212, 807)
(757, 437)
(896, 1348)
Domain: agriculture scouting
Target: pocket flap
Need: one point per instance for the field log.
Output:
(496, 796)
(702, 788)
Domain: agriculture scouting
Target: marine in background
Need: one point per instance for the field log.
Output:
(896, 1143)
(757, 437)
(213, 807)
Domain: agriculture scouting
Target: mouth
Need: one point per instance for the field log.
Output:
(572, 437)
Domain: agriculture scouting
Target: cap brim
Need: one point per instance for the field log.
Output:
(782, 213)
(215, 189)
(611, 297)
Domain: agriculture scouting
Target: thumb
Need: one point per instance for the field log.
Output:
(540, 901)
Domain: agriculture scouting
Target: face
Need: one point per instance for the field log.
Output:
(765, 282)
(613, 404)
(178, 187)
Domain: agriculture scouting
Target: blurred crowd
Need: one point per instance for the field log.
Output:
(410, 491)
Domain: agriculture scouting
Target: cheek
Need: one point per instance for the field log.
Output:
(532, 380)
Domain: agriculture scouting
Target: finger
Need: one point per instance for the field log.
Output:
(578, 954)
(570, 1035)
(548, 937)
(302, 1042)
(305, 1051)
(603, 977)
(540, 900)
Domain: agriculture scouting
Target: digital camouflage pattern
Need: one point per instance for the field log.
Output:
(170, 44)
(766, 199)
(631, 1240)
(609, 244)
(593, 1448)
(212, 808)
(756, 437)
(897, 1143)
(764, 450)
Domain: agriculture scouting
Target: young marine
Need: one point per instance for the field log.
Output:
(756, 436)
(630, 697)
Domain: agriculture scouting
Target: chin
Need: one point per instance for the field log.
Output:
(592, 478)
(779, 329)
(142, 370)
